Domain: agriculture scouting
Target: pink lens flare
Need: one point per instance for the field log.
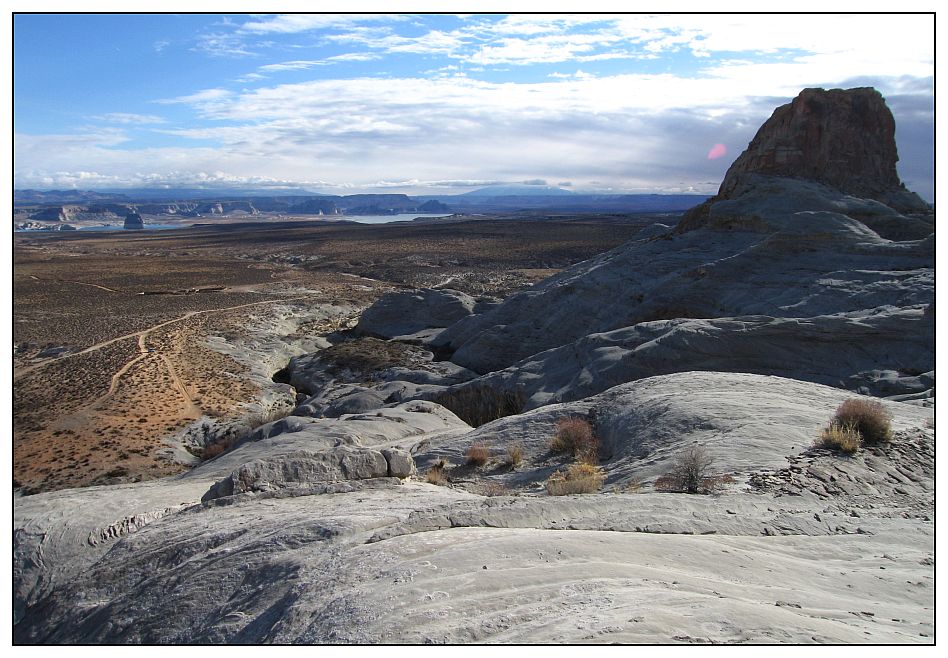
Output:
(717, 151)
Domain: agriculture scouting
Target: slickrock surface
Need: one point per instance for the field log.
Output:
(803, 545)
(800, 266)
(407, 312)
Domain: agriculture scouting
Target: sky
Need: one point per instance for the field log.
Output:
(440, 104)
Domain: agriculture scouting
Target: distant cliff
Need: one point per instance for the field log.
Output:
(30, 202)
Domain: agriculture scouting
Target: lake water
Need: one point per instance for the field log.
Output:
(387, 219)
(361, 219)
(86, 229)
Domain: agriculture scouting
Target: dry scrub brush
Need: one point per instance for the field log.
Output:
(841, 438)
(435, 474)
(514, 455)
(868, 417)
(690, 473)
(579, 478)
(575, 436)
(857, 422)
(477, 455)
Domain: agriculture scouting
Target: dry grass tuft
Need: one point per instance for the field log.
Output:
(477, 455)
(435, 474)
(514, 455)
(841, 438)
(868, 417)
(579, 478)
(575, 436)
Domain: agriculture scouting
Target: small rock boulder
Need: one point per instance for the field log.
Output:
(400, 463)
(301, 468)
(364, 464)
(408, 312)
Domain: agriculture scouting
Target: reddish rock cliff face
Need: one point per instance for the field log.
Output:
(844, 138)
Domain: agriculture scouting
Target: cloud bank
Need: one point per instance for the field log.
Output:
(470, 112)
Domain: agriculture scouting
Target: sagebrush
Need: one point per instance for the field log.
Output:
(574, 436)
(868, 417)
(689, 473)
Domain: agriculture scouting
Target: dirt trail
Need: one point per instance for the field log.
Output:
(144, 332)
(190, 410)
(81, 283)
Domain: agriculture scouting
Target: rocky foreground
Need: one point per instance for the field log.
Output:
(304, 537)
(740, 331)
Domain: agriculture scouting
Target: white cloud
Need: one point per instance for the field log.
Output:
(556, 48)
(353, 57)
(305, 64)
(292, 23)
(199, 97)
(223, 45)
(129, 118)
(295, 65)
(631, 131)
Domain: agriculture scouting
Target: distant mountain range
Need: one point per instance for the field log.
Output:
(185, 202)
(515, 190)
(494, 199)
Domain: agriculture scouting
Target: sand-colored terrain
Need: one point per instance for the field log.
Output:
(124, 342)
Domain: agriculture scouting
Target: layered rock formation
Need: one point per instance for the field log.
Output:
(779, 246)
(844, 138)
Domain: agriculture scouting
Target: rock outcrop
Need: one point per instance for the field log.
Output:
(778, 241)
(134, 221)
(816, 349)
(407, 312)
(303, 469)
(842, 138)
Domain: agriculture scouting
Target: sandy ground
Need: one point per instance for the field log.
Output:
(105, 377)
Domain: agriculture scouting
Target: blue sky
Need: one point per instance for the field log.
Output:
(435, 104)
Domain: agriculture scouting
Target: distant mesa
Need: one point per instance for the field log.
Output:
(55, 214)
(134, 221)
